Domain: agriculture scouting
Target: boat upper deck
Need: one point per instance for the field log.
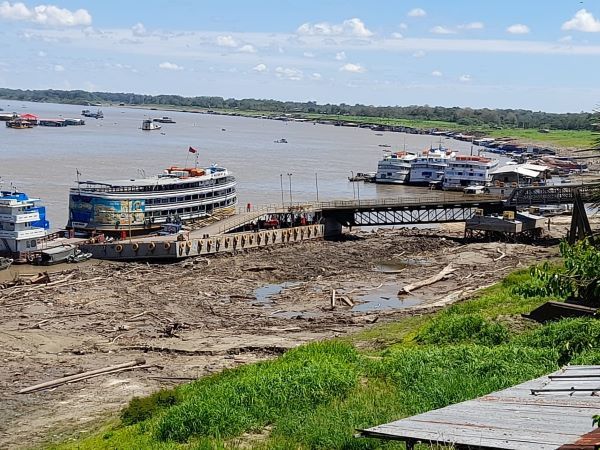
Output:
(173, 179)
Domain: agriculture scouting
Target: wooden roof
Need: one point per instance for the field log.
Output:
(543, 413)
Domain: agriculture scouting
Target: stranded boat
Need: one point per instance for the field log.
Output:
(23, 225)
(394, 168)
(138, 206)
(94, 115)
(465, 171)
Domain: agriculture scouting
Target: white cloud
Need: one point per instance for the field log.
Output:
(289, 73)
(419, 54)
(472, 26)
(340, 56)
(41, 53)
(441, 30)
(226, 41)
(308, 54)
(49, 15)
(138, 29)
(566, 39)
(316, 76)
(583, 21)
(351, 27)
(465, 78)
(436, 73)
(417, 12)
(247, 48)
(169, 66)
(260, 68)
(353, 68)
(518, 28)
(397, 35)
(403, 26)
(59, 68)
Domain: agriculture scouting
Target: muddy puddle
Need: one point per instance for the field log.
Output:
(264, 293)
(384, 298)
(398, 265)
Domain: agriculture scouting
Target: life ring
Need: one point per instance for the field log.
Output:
(119, 248)
(258, 239)
(208, 245)
(295, 233)
(167, 245)
(151, 246)
(308, 232)
(274, 236)
(29, 257)
(302, 233)
(181, 246)
(227, 241)
(243, 240)
(188, 244)
(266, 238)
(135, 247)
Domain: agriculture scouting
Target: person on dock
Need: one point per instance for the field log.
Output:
(248, 207)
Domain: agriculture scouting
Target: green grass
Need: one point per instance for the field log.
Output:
(316, 396)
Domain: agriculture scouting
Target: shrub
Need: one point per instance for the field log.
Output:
(455, 329)
(142, 408)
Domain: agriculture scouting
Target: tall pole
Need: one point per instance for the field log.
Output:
(291, 200)
(353, 188)
(317, 185)
(129, 215)
(281, 182)
(358, 189)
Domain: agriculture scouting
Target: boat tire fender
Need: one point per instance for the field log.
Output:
(119, 248)
(135, 247)
(151, 246)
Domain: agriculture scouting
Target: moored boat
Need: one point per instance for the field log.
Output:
(465, 171)
(163, 119)
(138, 206)
(395, 168)
(429, 166)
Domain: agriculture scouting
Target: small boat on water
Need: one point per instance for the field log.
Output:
(149, 125)
(5, 263)
(385, 145)
(97, 115)
(367, 177)
(19, 124)
(281, 141)
(164, 119)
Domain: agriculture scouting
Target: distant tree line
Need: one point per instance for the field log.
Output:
(506, 118)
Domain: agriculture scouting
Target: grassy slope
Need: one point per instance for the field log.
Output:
(316, 396)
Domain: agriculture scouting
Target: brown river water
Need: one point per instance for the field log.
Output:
(43, 161)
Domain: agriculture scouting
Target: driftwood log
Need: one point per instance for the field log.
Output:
(426, 282)
(138, 363)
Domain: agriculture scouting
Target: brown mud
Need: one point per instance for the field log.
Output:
(198, 316)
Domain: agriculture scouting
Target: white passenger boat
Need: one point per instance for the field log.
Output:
(149, 125)
(23, 224)
(137, 206)
(430, 165)
(395, 168)
(463, 171)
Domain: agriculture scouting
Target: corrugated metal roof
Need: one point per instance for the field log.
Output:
(543, 413)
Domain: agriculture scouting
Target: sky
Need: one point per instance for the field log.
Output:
(533, 54)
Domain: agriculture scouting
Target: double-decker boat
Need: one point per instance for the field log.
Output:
(138, 206)
(430, 166)
(395, 168)
(464, 171)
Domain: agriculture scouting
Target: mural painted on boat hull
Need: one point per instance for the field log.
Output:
(102, 212)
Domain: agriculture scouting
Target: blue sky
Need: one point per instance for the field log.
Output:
(533, 54)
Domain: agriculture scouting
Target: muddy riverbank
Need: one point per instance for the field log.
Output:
(201, 315)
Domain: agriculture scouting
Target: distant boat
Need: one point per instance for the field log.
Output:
(164, 119)
(97, 115)
(149, 125)
(223, 129)
(281, 141)
(384, 145)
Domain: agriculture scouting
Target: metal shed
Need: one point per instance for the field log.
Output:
(544, 414)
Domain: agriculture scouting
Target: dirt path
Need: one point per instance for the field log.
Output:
(199, 316)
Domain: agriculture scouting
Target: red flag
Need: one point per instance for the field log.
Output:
(192, 150)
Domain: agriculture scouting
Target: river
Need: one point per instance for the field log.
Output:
(43, 161)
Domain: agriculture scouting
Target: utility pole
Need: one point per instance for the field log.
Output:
(291, 200)
(317, 185)
(281, 182)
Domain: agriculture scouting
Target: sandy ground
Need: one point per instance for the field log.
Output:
(201, 315)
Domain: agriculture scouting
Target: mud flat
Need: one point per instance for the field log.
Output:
(198, 316)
